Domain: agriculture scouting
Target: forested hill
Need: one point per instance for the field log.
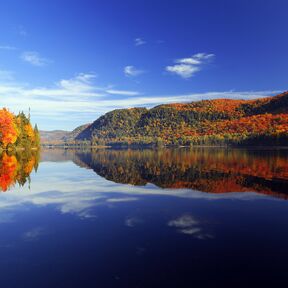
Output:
(213, 122)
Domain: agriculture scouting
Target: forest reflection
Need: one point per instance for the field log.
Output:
(215, 170)
(207, 170)
(15, 168)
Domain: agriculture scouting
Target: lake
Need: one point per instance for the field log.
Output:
(144, 218)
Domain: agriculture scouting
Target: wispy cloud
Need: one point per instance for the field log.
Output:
(139, 41)
(131, 71)
(34, 58)
(121, 199)
(34, 234)
(79, 100)
(69, 100)
(122, 92)
(186, 224)
(133, 221)
(80, 84)
(187, 67)
(7, 47)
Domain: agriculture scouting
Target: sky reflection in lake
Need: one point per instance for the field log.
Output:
(74, 228)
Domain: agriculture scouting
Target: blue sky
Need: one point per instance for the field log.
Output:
(71, 61)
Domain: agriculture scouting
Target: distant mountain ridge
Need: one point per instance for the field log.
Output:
(206, 122)
(55, 135)
(60, 136)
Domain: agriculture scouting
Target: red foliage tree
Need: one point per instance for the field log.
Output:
(8, 130)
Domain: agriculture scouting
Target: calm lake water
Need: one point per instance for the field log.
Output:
(142, 218)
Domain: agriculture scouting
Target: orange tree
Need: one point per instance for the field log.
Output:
(8, 128)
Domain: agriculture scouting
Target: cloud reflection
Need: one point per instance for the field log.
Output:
(76, 190)
(34, 234)
(186, 224)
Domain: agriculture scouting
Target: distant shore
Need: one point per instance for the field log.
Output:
(256, 147)
(19, 149)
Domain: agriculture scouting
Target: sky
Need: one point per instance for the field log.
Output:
(71, 61)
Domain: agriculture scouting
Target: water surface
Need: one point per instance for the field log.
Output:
(144, 218)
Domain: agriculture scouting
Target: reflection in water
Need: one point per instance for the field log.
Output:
(73, 228)
(214, 170)
(16, 168)
(206, 170)
(187, 224)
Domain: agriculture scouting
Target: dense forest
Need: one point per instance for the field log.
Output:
(17, 131)
(207, 122)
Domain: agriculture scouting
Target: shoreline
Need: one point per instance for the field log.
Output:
(17, 149)
(255, 147)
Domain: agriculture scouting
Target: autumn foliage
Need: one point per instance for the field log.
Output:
(212, 170)
(16, 168)
(8, 171)
(8, 127)
(17, 130)
(207, 122)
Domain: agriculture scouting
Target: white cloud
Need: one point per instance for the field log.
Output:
(131, 71)
(188, 225)
(187, 67)
(72, 100)
(75, 101)
(122, 92)
(34, 58)
(79, 88)
(183, 70)
(184, 221)
(122, 199)
(79, 84)
(139, 41)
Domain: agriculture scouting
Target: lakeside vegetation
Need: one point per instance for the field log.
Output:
(19, 149)
(16, 132)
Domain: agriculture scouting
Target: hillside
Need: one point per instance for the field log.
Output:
(60, 136)
(70, 136)
(53, 136)
(114, 124)
(211, 122)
